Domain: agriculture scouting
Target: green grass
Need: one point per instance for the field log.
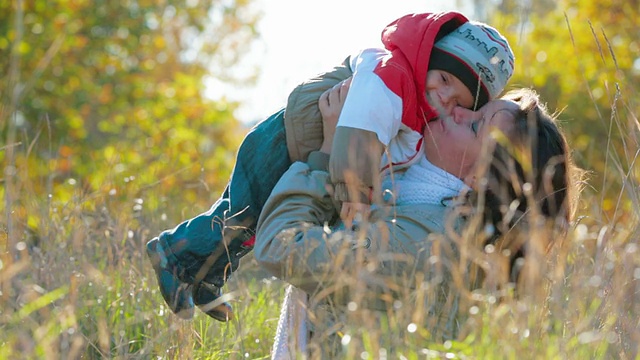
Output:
(76, 294)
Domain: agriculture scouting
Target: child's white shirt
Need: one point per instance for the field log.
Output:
(371, 105)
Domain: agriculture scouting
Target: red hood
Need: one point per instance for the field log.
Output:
(414, 35)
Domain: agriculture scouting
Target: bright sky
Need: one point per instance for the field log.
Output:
(301, 38)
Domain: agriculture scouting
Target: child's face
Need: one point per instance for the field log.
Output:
(445, 91)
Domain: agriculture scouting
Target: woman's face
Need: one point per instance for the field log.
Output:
(454, 143)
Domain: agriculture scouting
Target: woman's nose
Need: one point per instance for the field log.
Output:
(462, 115)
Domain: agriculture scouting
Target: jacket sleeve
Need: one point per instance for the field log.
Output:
(296, 242)
(355, 164)
(302, 118)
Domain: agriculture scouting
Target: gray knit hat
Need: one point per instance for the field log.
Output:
(477, 54)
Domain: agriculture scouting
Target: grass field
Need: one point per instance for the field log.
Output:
(81, 287)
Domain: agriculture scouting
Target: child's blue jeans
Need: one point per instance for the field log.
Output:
(209, 246)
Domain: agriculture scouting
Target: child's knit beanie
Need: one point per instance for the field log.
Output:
(477, 54)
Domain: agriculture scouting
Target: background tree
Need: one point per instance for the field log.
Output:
(110, 93)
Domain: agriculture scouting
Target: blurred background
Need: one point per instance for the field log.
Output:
(119, 119)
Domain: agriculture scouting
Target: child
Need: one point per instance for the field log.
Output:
(431, 63)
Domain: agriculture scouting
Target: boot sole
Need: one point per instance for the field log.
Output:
(179, 301)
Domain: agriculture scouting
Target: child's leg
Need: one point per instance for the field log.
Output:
(195, 247)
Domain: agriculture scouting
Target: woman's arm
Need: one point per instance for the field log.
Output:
(293, 242)
(297, 243)
(303, 121)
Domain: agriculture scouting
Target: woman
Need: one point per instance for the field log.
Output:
(405, 245)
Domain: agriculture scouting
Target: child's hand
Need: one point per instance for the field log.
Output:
(330, 104)
(354, 211)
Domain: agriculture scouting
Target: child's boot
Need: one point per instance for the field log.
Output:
(207, 298)
(176, 294)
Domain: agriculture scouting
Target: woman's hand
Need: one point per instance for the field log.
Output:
(330, 104)
(351, 212)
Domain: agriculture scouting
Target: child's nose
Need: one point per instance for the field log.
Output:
(449, 106)
(449, 100)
